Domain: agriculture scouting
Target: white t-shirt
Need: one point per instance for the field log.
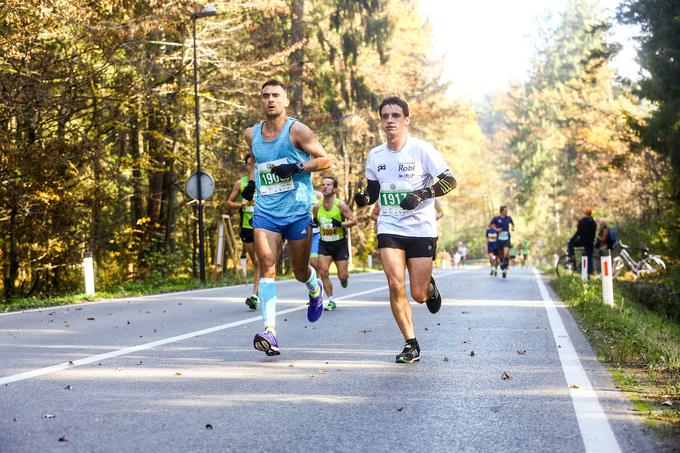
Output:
(414, 167)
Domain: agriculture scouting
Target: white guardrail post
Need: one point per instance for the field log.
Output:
(584, 268)
(607, 279)
(88, 270)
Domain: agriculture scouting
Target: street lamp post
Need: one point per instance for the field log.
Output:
(205, 12)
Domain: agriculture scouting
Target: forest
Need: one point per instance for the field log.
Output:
(97, 128)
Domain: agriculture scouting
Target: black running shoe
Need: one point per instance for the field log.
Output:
(434, 303)
(410, 354)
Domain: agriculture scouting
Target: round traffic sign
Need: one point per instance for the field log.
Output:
(207, 186)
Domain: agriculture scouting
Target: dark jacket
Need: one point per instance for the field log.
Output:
(585, 231)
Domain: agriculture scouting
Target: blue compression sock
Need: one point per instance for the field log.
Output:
(267, 294)
(312, 283)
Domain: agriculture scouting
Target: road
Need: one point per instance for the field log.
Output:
(178, 372)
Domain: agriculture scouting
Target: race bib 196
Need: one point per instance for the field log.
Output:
(391, 194)
(269, 182)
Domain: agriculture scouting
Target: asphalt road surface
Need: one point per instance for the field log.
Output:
(503, 369)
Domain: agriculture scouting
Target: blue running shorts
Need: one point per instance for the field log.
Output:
(316, 237)
(292, 227)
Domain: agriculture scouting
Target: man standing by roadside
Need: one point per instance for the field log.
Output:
(246, 209)
(586, 230)
(401, 174)
(333, 216)
(286, 152)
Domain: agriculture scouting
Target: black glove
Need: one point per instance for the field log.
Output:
(314, 223)
(336, 223)
(284, 171)
(361, 198)
(416, 197)
(248, 191)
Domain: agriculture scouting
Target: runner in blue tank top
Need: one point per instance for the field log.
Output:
(285, 152)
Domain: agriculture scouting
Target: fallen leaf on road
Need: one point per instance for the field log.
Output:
(426, 328)
(472, 353)
(63, 439)
(365, 331)
(465, 312)
(400, 408)
(68, 387)
(128, 323)
(119, 368)
(140, 363)
(14, 419)
(505, 376)
(285, 319)
(208, 426)
(90, 319)
(178, 373)
(80, 308)
(291, 365)
(522, 352)
(70, 363)
(438, 324)
(574, 386)
(49, 416)
(446, 359)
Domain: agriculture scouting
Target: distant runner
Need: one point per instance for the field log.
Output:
(334, 217)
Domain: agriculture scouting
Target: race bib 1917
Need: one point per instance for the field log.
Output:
(391, 194)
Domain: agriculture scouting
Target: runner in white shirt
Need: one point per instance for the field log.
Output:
(401, 174)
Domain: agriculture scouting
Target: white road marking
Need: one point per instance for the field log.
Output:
(153, 344)
(592, 421)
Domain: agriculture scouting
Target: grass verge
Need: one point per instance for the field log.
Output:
(641, 347)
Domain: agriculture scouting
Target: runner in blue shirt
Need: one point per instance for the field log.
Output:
(286, 152)
(503, 224)
(492, 250)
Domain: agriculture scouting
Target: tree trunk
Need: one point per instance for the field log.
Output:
(297, 58)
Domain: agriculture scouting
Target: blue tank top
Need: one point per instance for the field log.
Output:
(276, 197)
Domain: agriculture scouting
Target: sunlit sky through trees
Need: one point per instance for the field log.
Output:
(488, 43)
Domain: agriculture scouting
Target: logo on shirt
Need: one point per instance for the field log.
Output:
(382, 167)
(410, 166)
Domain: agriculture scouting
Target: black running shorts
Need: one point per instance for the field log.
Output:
(337, 249)
(247, 235)
(503, 244)
(415, 247)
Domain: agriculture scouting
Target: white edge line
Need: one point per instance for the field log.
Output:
(153, 344)
(595, 430)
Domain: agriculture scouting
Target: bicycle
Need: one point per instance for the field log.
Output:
(648, 264)
(567, 265)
